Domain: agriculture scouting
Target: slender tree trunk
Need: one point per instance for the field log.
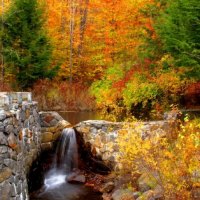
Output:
(63, 19)
(72, 8)
(83, 21)
(2, 47)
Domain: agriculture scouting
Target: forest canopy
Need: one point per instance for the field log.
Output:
(129, 55)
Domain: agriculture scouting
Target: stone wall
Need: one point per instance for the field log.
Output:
(52, 125)
(100, 137)
(20, 142)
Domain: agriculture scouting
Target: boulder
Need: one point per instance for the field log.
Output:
(76, 177)
(122, 194)
(148, 195)
(146, 182)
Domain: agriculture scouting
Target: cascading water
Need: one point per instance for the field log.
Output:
(67, 153)
(66, 159)
(65, 162)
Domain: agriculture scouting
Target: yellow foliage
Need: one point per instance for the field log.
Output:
(176, 163)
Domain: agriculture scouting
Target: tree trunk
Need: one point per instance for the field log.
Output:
(2, 47)
(83, 21)
(72, 8)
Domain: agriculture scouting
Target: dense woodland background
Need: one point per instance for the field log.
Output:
(123, 56)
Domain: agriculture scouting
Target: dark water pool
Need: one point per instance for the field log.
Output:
(67, 191)
(76, 117)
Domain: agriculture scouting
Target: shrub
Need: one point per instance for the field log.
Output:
(63, 96)
(176, 162)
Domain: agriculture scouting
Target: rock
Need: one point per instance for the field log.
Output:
(148, 195)
(5, 191)
(107, 187)
(1, 126)
(97, 141)
(122, 194)
(76, 177)
(8, 121)
(49, 119)
(158, 192)
(3, 139)
(107, 196)
(63, 124)
(5, 173)
(146, 182)
(27, 113)
(3, 149)
(2, 115)
(12, 141)
(47, 137)
(12, 164)
(9, 129)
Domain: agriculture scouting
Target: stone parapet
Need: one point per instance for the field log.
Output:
(20, 143)
(101, 137)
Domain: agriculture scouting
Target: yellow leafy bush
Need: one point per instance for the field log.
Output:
(176, 162)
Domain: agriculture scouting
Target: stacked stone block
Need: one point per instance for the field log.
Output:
(52, 125)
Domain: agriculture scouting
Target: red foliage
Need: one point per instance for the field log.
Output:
(192, 95)
(121, 84)
(4, 87)
(56, 95)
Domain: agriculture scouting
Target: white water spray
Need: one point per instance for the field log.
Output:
(66, 159)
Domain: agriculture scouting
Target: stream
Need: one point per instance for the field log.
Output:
(55, 186)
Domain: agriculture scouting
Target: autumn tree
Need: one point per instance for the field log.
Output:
(27, 49)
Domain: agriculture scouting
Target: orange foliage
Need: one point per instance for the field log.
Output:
(109, 34)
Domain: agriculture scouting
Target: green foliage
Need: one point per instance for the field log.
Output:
(178, 28)
(139, 90)
(27, 49)
(102, 89)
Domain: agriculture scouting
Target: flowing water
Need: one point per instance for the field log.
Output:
(65, 162)
(67, 151)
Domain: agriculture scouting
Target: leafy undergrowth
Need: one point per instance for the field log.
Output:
(62, 96)
(174, 163)
(4, 87)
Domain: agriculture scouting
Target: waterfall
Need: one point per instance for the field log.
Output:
(66, 159)
(67, 153)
